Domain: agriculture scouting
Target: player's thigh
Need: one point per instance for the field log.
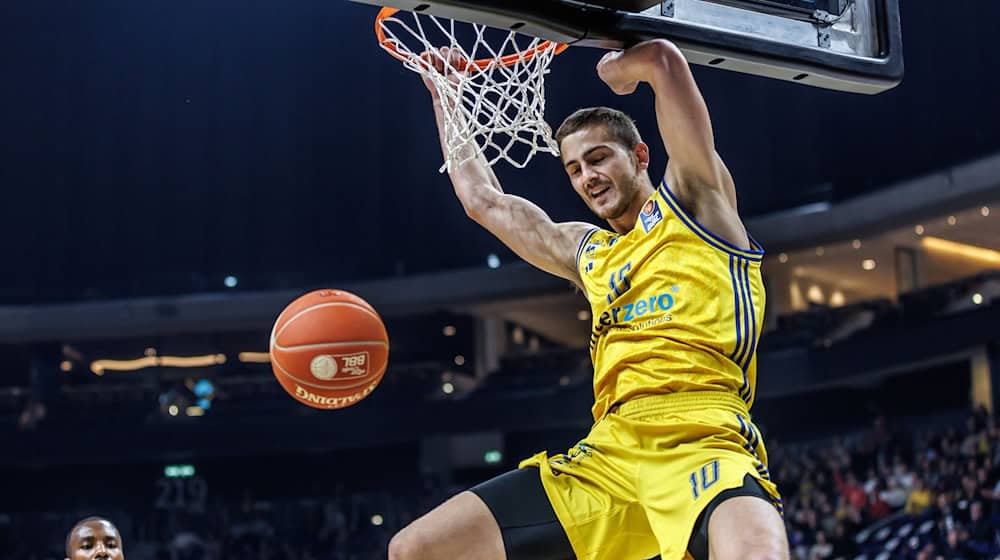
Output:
(529, 526)
(461, 528)
(747, 528)
(507, 517)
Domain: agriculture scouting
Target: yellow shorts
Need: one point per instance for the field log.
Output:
(634, 487)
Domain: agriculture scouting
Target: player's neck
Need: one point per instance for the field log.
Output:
(626, 222)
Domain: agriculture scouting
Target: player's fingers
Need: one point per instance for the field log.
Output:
(457, 60)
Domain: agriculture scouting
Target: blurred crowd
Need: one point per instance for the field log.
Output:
(889, 493)
(892, 493)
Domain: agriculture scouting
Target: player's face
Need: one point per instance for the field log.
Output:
(96, 540)
(603, 172)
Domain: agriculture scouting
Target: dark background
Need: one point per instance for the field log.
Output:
(156, 147)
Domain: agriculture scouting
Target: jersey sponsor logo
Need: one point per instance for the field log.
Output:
(650, 215)
(637, 314)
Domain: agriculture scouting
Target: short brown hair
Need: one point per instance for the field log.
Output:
(620, 126)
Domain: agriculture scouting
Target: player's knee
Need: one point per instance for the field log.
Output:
(751, 549)
(771, 551)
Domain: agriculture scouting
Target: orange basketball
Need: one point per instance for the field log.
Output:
(329, 349)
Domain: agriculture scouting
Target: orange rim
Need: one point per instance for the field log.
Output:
(482, 63)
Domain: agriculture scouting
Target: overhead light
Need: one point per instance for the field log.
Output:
(856, 243)
(977, 298)
(173, 410)
(583, 315)
(447, 388)
(815, 294)
(100, 366)
(837, 298)
(952, 220)
(919, 229)
(194, 411)
(868, 264)
(377, 520)
(961, 249)
(517, 335)
(149, 351)
(459, 360)
(66, 365)
(254, 357)
(493, 457)
(820, 251)
(449, 330)
(231, 281)
(985, 211)
(493, 261)
(783, 258)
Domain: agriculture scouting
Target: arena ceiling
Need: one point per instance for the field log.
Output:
(158, 149)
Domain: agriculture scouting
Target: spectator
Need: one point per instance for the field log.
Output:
(920, 497)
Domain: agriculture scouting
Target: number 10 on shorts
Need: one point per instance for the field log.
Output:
(704, 478)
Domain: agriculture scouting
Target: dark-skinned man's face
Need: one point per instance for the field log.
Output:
(95, 540)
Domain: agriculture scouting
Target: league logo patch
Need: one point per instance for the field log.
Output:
(327, 366)
(650, 215)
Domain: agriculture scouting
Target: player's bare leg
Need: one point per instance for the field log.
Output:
(462, 528)
(746, 528)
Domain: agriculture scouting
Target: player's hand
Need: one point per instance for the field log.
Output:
(611, 71)
(445, 61)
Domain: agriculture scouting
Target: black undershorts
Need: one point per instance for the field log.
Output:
(531, 530)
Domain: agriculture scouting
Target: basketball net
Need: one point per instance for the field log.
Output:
(494, 104)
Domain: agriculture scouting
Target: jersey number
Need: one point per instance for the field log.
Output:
(619, 282)
(709, 476)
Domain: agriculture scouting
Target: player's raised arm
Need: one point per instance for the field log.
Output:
(681, 113)
(517, 222)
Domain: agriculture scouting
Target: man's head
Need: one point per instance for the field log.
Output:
(606, 160)
(94, 538)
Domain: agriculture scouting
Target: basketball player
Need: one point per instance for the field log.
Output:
(94, 538)
(673, 464)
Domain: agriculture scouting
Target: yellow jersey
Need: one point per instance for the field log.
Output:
(675, 307)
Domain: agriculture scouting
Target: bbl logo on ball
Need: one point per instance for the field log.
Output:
(323, 367)
(326, 366)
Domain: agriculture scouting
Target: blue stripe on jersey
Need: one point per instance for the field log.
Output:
(583, 243)
(751, 439)
(706, 235)
(753, 325)
(738, 312)
(736, 309)
(745, 313)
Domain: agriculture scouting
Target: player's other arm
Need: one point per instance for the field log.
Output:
(517, 222)
(681, 113)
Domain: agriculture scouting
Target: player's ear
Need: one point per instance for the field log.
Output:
(641, 154)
